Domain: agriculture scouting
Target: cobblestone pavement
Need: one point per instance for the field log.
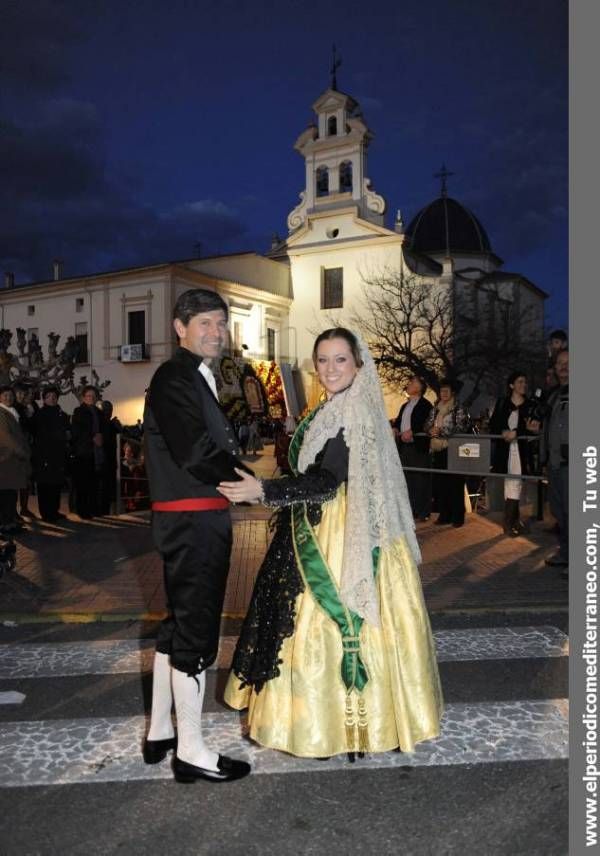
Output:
(108, 568)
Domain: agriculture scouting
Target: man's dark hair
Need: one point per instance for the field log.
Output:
(48, 389)
(6, 387)
(24, 387)
(87, 388)
(197, 300)
(558, 334)
(421, 380)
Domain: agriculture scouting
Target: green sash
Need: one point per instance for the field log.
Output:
(316, 575)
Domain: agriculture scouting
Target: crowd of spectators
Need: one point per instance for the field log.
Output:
(531, 438)
(102, 462)
(44, 450)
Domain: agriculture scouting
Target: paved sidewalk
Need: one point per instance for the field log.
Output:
(107, 569)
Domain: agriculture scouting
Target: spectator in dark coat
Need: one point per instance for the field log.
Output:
(414, 450)
(448, 417)
(50, 429)
(26, 408)
(15, 464)
(88, 439)
(108, 476)
(512, 418)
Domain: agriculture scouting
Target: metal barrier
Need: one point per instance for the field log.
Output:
(471, 453)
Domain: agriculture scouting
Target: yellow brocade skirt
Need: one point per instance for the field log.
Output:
(303, 710)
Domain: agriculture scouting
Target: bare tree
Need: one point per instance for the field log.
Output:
(415, 326)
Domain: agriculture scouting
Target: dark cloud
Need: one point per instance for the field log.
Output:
(58, 198)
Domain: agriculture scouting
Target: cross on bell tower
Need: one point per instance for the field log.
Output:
(443, 174)
(336, 61)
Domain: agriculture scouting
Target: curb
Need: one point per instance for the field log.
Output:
(121, 617)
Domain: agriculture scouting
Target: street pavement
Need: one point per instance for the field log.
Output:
(78, 618)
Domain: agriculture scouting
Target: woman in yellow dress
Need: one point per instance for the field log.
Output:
(336, 653)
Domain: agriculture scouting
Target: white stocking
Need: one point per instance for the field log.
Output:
(189, 696)
(161, 724)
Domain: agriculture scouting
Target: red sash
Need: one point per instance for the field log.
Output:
(200, 503)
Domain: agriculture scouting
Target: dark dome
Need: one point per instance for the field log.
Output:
(445, 224)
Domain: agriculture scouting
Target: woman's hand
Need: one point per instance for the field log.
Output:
(509, 436)
(249, 489)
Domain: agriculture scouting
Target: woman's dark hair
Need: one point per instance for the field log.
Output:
(197, 300)
(48, 389)
(512, 378)
(6, 387)
(87, 388)
(451, 383)
(339, 333)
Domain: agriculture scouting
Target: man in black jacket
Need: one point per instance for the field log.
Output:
(414, 450)
(89, 432)
(50, 428)
(190, 447)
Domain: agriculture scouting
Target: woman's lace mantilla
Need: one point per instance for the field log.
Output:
(378, 508)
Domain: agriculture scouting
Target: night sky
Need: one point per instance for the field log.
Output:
(131, 131)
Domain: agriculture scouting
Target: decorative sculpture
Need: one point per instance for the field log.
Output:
(29, 365)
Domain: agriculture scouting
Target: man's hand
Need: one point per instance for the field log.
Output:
(509, 436)
(97, 438)
(407, 436)
(533, 425)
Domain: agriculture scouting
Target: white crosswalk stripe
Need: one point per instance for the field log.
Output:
(106, 749)
(129, 656)
(54, 752)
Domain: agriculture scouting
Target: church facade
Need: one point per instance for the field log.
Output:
(337, 241)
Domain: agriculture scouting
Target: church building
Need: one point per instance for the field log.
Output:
(337, 239)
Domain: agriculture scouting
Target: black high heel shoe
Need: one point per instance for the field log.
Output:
(155, 751)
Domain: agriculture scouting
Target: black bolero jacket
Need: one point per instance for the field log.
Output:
(190, 445)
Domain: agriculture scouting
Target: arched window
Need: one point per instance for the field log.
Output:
(332, 126)
(345, 177)
(322, 181)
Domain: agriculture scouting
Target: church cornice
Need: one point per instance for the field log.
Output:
(335, 143)
(391, 239)
(333, 99)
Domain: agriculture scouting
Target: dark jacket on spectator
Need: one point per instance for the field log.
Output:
(499, 423)
(82, 431)
(15, 464)
(50, 427)
(418, 418)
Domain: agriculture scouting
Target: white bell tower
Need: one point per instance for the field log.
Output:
(335, 153)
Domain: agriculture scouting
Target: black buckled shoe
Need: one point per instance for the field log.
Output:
(228, 771)
(155, 751)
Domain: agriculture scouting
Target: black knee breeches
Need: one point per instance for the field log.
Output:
(195, 547)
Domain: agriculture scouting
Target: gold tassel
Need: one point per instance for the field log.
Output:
(350, 723)
(363, 729)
